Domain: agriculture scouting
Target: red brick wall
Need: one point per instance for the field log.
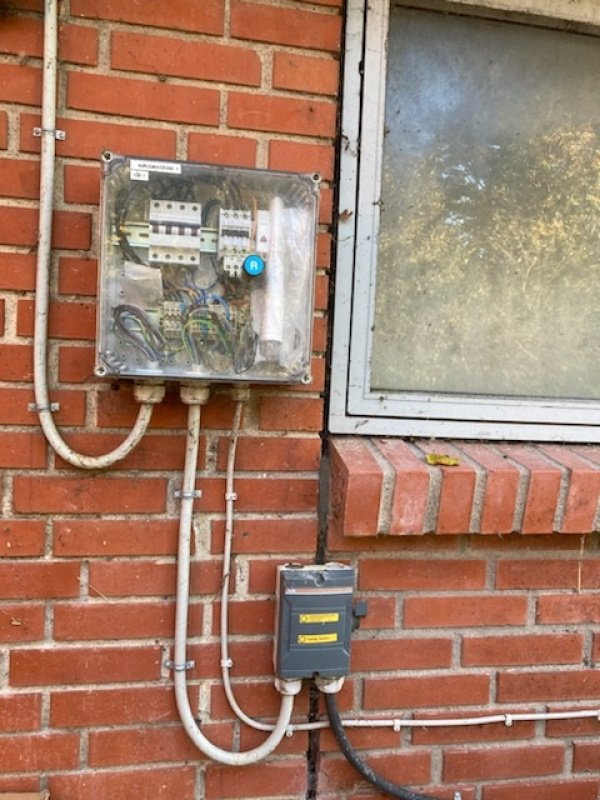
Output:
(87, 561)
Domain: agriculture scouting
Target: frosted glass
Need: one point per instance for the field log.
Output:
(488, 278)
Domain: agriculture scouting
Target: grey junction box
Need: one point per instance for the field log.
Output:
(314, 620)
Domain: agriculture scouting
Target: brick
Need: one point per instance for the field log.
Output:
(302, 157)
(516, 686)
(89, 495)
(93, 537)
(522, 650)
(147, 99)
(393, 654)
(259, 780)
(154, 452)
(471, 611)
(130, 620)
(308, 74)
(403, 574)
(584, 490)
(381, 614)
(404, 768)
(586, 757)
(179, 15)
(250, 617)
(21, 623)
(167, 55)
(297, 27)
(3, 130)
(259, 699)
(543, 489)
(544, 790)
(426, 691)
(77, 275)
(21, 538)
(457, 492)
(2, 317)
(87, 139)
(80, 665)
(19, 178)
(319, 336)
(542, 574)
(262, 494)
(66, 320)
(14, 407)
(39, 752)
(118, 409)
(71, 229)
(267, 536)
(259, 112)
(25, 36)
(20, 84)
(216, 148)
(162, 783)
(99, 707)
(150, 578)
(17, 271)
(16, 362)
(82, 184)
(76, 363)
(507, 762)
(501, 487)
(290, 414)
(584, 726)
(273, 454)
(19, 712)
(27, 580)
(108, 748)
(356, 484)
(411, 487)
(568, 609)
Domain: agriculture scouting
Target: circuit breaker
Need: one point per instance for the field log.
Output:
(205, 272)
(314, 620)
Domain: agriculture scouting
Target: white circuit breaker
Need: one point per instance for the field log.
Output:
(205, 272)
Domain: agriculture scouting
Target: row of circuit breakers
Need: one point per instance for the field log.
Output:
(205, 272)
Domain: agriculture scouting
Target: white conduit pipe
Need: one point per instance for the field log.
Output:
(197, 397)
(146, 395)
(396, 724)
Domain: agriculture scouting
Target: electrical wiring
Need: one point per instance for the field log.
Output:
(195, 397)
(148, 396)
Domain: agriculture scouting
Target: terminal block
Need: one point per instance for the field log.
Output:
(205, 272)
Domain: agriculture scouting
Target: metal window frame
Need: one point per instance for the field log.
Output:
(354, 408)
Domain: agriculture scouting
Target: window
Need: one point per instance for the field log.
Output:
(468, 275)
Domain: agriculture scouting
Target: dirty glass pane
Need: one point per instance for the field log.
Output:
(488, 279)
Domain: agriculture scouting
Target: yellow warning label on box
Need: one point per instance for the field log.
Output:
(306, 619)
(317, 638)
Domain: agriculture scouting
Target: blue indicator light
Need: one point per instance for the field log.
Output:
(254, 265)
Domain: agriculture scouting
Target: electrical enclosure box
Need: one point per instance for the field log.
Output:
(314, 620)
(205, 272)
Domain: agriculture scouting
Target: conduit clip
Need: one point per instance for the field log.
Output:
(56, 133)
(226, 662)
(508, 720)
(180, 667)
(231, 496)
(193, 494)
(36, 407)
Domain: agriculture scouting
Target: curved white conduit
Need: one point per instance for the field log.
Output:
(196, 397)
(148, 396)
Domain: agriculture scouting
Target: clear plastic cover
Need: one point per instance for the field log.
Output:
(205, 272)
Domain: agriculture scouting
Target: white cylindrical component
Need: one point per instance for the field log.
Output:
(272, 323)
(42, 288)
(181, 620)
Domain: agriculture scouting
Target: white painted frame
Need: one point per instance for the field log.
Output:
(354, 408)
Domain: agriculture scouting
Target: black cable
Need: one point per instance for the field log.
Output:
(369, 774)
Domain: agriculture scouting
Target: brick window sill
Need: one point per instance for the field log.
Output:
(385, 487)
